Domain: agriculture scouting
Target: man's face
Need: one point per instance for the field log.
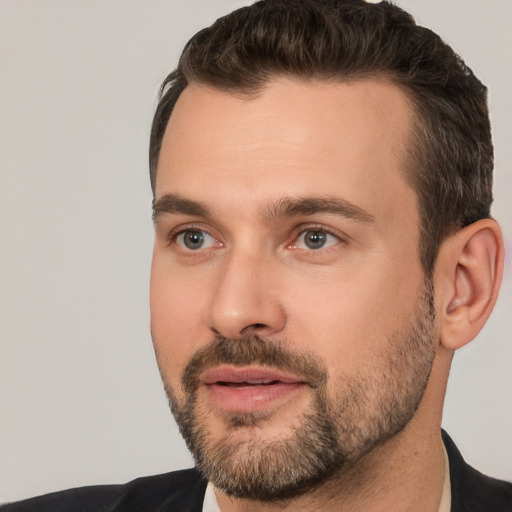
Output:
(290, 315)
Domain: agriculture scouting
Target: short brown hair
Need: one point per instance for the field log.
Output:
(345, 40)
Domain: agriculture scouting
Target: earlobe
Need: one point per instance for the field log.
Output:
(468, 276)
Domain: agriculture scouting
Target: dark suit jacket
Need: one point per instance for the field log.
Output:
(183, 491)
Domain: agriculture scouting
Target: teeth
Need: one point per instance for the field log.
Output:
(259, 381)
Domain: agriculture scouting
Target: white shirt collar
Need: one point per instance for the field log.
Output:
(210, 501)
(446, 495)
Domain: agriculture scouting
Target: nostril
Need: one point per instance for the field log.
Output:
(253, 327)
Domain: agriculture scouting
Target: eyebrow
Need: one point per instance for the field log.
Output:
(291, 207)
(175, 203)
(284, 207)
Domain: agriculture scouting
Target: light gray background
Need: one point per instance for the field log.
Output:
(80, 397)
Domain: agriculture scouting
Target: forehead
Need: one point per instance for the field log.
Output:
(293, 138)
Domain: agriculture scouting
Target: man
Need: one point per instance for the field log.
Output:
(322, 183)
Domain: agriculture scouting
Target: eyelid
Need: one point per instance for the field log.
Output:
(207, 240)
(300, 230)
(173, 235)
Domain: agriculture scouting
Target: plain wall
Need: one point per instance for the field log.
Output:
(80, 396)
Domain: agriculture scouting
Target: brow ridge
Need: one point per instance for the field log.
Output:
(172, 203)
(176, 203)
(290, 207)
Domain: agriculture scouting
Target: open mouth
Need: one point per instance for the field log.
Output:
(249, 389)
(248, 384)
(249, 375)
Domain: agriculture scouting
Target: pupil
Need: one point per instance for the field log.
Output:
(193, 239)
(315, 239)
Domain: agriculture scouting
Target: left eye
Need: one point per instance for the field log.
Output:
(195, 239)
(314, 239)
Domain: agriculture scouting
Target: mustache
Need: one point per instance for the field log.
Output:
(253, 350)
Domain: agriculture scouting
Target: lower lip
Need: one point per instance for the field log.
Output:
(251, 398)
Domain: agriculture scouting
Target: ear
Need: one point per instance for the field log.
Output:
(467, 279)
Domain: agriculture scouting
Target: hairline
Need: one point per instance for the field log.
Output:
(410, 155)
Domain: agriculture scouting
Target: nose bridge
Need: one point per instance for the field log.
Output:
(246, 301)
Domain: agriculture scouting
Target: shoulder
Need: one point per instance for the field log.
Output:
(473, 491)
(179, 490)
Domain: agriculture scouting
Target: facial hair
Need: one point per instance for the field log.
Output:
(337, 429)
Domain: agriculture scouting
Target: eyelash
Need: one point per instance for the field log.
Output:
(173, 236)
(315, 227)
(297, 233)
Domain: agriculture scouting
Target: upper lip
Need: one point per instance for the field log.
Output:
(250, 374)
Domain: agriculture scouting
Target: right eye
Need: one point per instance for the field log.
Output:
(195, 239)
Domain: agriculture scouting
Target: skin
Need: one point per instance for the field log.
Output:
(343, 302)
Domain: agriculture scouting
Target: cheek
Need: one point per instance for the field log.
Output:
(177, 319)
(348, 319)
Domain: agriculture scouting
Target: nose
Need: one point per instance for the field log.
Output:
(247, 299)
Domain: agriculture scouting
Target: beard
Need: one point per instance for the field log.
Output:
(337, 429)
